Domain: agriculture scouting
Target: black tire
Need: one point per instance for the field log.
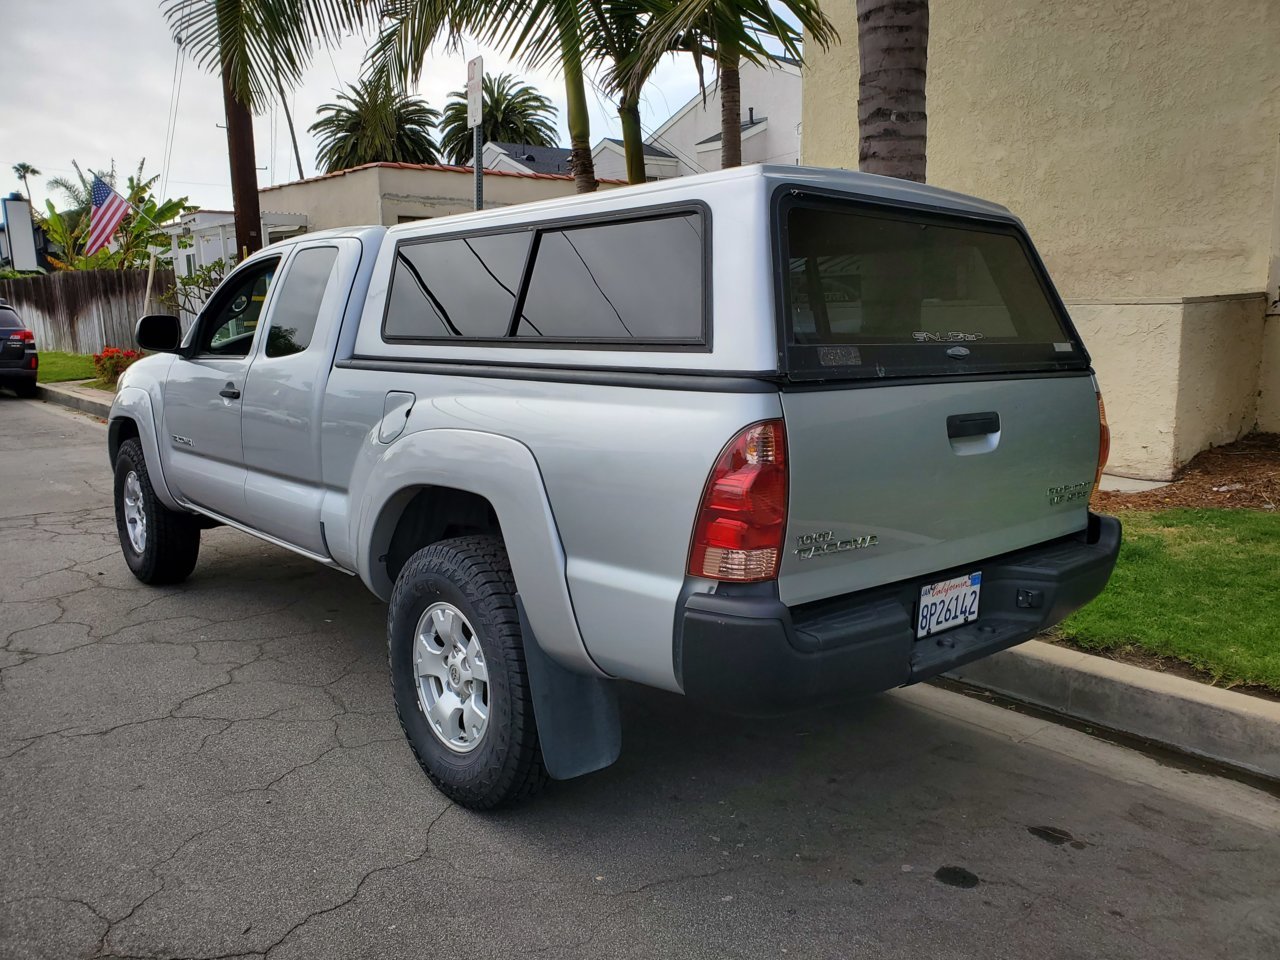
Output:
(172, 543)
(26, 389)
(474, 575)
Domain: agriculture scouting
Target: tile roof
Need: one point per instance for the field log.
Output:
(437, 167)
(649, 149)
(746, 125)
(537, 159)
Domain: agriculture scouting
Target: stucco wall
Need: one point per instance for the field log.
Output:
(346, 200)
(1137, 140)
(1219, 365)
(1135, 349)
(385, 194)
(434, 193)
(1140, 143)
(1269, 394)
(1176, 376)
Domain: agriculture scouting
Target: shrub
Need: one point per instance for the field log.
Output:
(112, 362)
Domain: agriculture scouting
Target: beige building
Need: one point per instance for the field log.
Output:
(1140, 143)
(391, 193)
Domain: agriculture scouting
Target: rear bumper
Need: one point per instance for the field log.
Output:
(752, 654)
(8, 373)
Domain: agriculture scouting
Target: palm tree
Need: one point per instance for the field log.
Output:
(372, 123)
(258, 47)
(735, 30)
(617, 33)
(411, 27)
(514, 112)
(893, 48)
(22, 171)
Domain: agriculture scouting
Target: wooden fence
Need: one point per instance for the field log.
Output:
(82, 311)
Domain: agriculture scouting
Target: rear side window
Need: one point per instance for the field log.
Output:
(632, 281)
(876, 294)
(293, 322)
(464, 287)
(638, 280)
(9, 319)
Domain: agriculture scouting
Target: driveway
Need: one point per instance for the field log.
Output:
(215, 770)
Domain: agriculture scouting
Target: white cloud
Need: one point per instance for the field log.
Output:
(91, 81)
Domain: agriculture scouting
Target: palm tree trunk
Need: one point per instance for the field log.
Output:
(632, 138)
(284, 102)
(893, 46)
(584, 168)
(244, 173)
(727, 59)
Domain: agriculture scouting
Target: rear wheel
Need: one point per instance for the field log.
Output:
(159, 545)
(25, 388)
(458, 673)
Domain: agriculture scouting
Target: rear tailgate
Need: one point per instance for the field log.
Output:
(13, 349)
(881, 493)
(940, 408)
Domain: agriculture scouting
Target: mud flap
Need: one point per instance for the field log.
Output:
(578, 721)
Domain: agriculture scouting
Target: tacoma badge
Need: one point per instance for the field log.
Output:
(820, 544)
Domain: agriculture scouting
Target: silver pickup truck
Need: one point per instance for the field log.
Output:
(766, 437)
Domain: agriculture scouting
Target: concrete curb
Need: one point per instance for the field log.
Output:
(1231, 728)
(77, 398)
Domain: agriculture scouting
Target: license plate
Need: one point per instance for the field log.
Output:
(948, 604)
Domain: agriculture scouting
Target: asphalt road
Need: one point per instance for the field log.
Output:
(215, 770)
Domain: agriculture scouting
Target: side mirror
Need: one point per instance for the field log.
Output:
(158, 333)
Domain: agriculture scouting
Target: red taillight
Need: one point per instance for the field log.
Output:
(26, 335)
(1104, 442)
(740, 525)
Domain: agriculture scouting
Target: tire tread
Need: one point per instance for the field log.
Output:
(481, 562)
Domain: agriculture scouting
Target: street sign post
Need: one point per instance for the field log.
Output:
(475, 121)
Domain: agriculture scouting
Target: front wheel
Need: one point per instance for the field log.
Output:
(159, 545)
(458, 673)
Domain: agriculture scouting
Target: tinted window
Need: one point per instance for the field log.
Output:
(464, 287)
(293, 320)
(872, 294)
(9, 320)
(227, 327)
(635, 280)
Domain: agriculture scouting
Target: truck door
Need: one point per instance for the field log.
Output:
(284, 393)
(202, 395)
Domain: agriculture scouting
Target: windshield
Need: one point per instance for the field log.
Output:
(871, 293)
(9, 319)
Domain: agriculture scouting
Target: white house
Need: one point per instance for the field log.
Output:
(689, 142)
(204, 236)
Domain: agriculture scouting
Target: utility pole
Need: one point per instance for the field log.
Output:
(244, 174)
(475, 120)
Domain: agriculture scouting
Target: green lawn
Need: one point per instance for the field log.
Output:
(1200, 586)
(56, 366)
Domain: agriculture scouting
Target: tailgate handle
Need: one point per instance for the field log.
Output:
(961, 425)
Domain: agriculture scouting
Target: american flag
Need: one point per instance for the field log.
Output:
(109, 208)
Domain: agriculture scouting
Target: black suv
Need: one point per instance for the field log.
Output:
(18, 358)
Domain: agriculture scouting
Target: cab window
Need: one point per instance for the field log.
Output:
(228, 326)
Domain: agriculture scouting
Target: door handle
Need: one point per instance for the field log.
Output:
(230, 392)
(972, 425)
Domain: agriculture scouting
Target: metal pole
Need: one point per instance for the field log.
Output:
(477, 161)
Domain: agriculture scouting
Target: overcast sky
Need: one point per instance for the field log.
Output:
(91, 80)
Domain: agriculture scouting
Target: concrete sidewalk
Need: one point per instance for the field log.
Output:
(77, 395)
(1235, 729)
